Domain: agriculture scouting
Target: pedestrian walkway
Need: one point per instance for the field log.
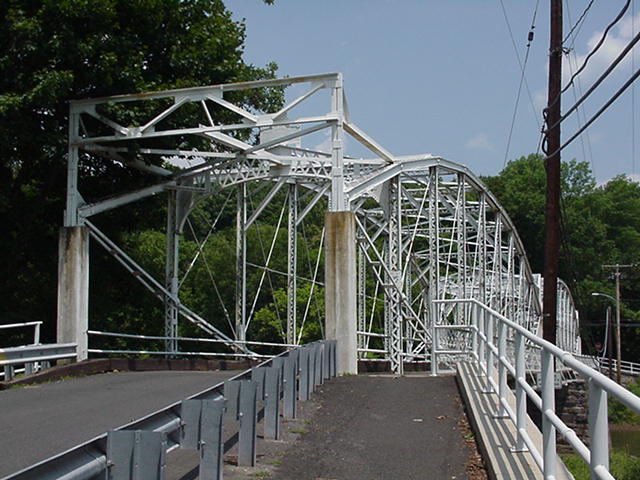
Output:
(382, 427)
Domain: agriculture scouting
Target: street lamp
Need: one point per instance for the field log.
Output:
(618, 354)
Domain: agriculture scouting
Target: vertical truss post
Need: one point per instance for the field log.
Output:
(434, 265)
(241, 263)
(362, 300)
(338, 201)
(291, 263)
(497, 296)
(394, 282)
(461, 229)
(409, 331)
(171, 275)
(73, 196)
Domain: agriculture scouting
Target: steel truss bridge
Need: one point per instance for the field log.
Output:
(426, 228)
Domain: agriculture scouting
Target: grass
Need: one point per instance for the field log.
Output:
(260, 475)
(621, 465)
(301, 431)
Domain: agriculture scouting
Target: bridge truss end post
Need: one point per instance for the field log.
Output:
(340, 288)
(73, 288)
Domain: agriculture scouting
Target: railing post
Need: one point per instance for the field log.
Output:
(474, 333)
(521, 395)
(482, 342)
(489, 352)
(434, 339)
(548, 406)
(502, 369)
(598, 428)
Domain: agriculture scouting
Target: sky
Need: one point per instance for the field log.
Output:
(442, 77)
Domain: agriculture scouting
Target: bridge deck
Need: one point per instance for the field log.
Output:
(382, 427)
(40, 421)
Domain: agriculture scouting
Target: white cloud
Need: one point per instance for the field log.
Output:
(617, 39)
(479, 142)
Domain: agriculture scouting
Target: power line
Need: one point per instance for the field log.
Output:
(578, 22)
(598, 45)
(523, 67)
(577, 88)
(599, 112)
(600, 79)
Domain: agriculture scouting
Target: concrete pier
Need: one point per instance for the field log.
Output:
(340, 288)
(73, 288)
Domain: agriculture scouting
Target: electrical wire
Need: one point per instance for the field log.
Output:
(522, 66)
(620, 91)
(577, 87)
(578, 22)
(596, 48)
(599, 81)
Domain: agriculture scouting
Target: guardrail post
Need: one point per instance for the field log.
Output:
(272, 393)
(326, 360)
(202, 430)
(8, 373)
(303, 367)
(136, 455)
(312, 368)
(257, 375)
(248, 415)
(598, 428)
(242, 399)
(290, 380)
(333, 358)
(318, 367)
(548, 405)
(521, 395)
(502, 370)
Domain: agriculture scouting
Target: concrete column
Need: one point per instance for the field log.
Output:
(73, 288)
(340, 288)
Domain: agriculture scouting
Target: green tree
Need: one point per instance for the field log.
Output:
(52, 51)
(600, 225)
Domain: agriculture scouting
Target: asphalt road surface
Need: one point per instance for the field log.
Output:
(37, 422)
(381, 427)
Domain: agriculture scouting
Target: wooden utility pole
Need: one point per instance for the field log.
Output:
(617, 268)
(552, 166)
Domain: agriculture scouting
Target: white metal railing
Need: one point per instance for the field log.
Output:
(490, 331)
(627, 368)
(9, 371)
(182, 339)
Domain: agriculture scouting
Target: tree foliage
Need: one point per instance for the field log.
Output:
(600, 225)
(52, 51)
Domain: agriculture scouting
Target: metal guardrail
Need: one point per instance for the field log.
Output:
(32, 356)
(197, 423)
(490, 331)
(10, 371)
